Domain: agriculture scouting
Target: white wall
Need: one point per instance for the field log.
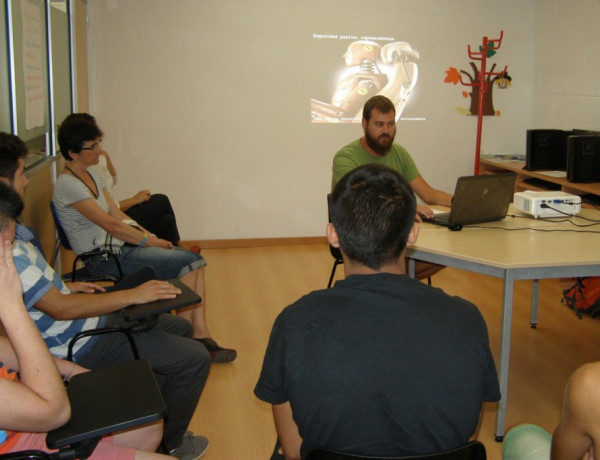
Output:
(567, 65)
(208, 100)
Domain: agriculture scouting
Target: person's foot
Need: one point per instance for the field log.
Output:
(192, 447)
(196, 249)
(218, 354)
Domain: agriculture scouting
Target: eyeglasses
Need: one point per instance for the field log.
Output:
(94, 146)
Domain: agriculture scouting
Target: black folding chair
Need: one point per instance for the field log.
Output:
(474, 450)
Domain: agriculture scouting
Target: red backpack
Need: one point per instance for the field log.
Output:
(584, 296)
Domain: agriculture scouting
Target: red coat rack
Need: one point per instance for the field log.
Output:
(482, 83)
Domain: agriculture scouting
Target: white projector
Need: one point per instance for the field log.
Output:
(547, 204)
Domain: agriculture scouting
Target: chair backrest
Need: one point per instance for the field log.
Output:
(335, 252)
(64, 241)
(62, 236)
(474, 450)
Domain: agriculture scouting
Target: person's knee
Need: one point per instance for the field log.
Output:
(175, 325)
(195, 361)
(161, 199)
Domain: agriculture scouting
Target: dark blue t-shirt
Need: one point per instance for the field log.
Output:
(381, 365)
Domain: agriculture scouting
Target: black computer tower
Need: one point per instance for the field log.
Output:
(583, 158)
(546, 149)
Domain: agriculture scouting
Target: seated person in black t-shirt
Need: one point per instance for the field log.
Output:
(381, 364)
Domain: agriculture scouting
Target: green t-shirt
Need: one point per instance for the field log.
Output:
(354, 155)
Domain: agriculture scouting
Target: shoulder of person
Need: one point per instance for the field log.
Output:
(400, 149)
(585, 378)
(350, 148)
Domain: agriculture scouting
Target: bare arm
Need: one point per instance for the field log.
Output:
(140, 197)
(110, 166)
(112, 223)
(578, 432)
(39, 401)
(84, 286)
(68, 369)
(287, 431)
(82, 305)
(429, 194)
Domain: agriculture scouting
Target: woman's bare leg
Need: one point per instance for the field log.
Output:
(196, 313)
(146, 437)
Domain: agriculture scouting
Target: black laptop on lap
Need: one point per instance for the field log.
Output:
(478, 199)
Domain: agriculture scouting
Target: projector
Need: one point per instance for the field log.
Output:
(547, 204)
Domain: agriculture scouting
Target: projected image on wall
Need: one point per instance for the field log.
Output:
(370, 69)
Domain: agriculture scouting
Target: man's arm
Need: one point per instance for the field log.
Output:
(80, 305)
(429, 194)
(38, 402)
(287, 431)
(578, 431)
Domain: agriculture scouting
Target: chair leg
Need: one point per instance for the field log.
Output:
(55, 253)
(335, 264)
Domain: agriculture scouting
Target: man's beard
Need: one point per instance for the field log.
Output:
(381, 145)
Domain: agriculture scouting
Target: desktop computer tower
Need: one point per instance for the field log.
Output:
(546, 149)
(583, 158)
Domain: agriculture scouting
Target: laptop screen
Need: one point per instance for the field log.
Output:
(483, 198)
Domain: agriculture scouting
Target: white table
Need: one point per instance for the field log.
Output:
(512, 250)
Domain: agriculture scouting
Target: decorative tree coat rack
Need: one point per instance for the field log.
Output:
(487, 49)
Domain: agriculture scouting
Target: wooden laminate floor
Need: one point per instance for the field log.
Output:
(248, 287)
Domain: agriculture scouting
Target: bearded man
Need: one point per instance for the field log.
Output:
(377, 146)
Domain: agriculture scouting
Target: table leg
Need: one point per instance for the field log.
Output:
(535, 290)
(507, 299)
(411, 267)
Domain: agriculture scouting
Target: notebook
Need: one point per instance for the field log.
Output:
(478, 199)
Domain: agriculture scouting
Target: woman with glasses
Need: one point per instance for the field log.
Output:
(92, 219)
(153, 211)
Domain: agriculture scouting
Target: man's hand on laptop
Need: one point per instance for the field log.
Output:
(155, 290)
(423, 212)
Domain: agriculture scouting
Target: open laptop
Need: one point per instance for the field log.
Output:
(478, 199)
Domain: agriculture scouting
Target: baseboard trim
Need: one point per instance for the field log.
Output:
(254, 242)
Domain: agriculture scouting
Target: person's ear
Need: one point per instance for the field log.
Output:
(332, 235)
(6, 181)
(414, 233)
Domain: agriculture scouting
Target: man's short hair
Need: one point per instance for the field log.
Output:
(11, 205)
(81, 116)
(75, 131)
(12, 149)
(380, 103)
(373, 210)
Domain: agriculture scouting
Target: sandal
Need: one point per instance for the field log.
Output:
(218, 354)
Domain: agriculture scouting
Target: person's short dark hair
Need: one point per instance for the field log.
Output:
(81, 116)
(11, 205)
(373, 209)
(12, 149)
(74, 132)
(380, 103)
